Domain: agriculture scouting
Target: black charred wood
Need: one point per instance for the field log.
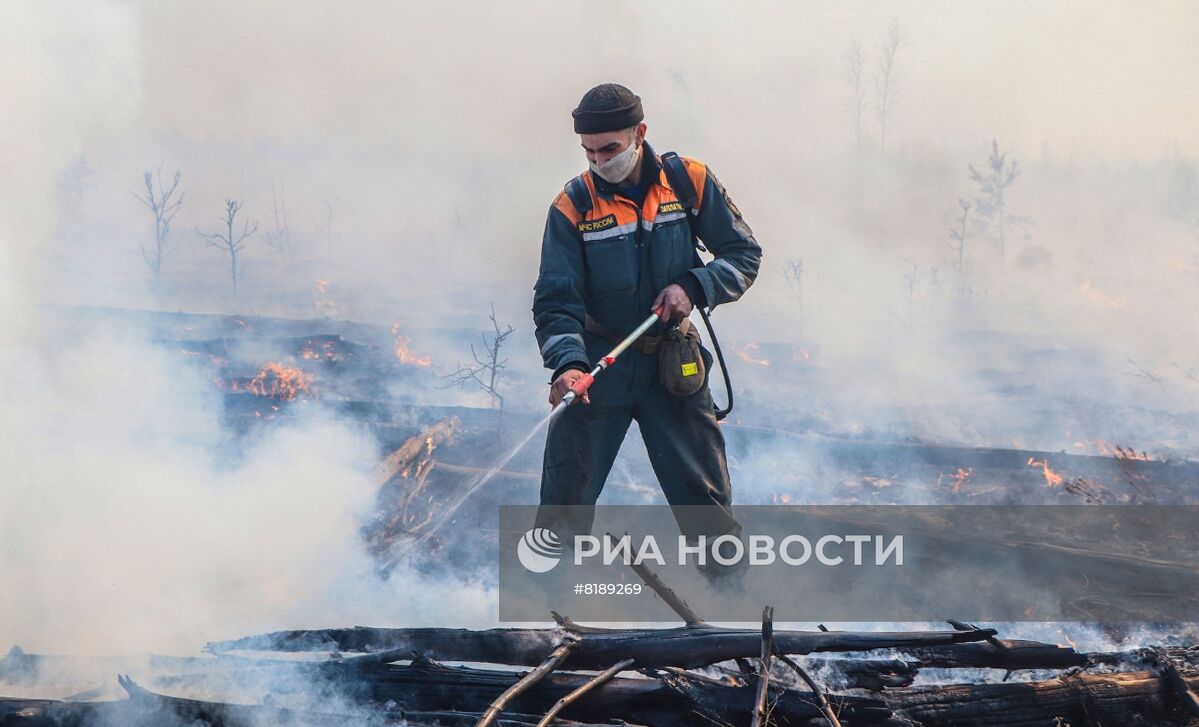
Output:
(1127, 698)
(686, 647)
(1013, 655)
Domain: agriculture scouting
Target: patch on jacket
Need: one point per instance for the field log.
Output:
(675, 206)
(595, 225)
(725, 193)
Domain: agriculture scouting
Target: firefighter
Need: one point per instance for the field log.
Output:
(619, 244)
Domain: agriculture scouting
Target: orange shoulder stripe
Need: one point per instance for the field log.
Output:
(698, 172)
(563, 204)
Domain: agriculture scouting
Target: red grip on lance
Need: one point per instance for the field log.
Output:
(580, 385)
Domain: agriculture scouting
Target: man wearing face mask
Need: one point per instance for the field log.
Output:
(617, 245)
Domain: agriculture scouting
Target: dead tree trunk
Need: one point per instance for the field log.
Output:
(230, 242)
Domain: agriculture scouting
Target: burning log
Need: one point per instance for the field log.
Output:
(405, 506)
(686, 647)
(414, 457)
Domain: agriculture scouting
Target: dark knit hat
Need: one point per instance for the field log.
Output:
(607, 107)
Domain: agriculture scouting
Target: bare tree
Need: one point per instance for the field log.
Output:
(855, 73)
(164, 205)
(487, 369)
(885, 80)
(330, 206)
(73, 186)
(230, 242)
(793, 273)
(991, 212)
(279, 237)
(958, 235)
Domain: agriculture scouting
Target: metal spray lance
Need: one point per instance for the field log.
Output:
(584, 382)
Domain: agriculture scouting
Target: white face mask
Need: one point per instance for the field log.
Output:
(620, 166)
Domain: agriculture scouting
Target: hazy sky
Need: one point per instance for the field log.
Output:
(1112, 79)
(443, 105)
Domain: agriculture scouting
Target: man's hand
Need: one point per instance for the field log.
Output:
(562, 384)
(675, 303)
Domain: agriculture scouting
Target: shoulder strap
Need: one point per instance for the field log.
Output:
(684, 189)
(680, 182)
(579, 195)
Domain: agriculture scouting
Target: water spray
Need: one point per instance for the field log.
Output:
(577, 389)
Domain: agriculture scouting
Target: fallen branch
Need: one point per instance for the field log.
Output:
(821, 700)
(676, 603)
(600, 679)
(528, 680)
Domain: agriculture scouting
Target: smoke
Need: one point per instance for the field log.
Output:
(132, 521)
(412, 151)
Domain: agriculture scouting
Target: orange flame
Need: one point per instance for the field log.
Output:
(746, 354)
(1131, 454)
(1114, 450)
(1052, 479)
(323, 302)
(958, 478)
(401, 349)
(324, 351)
(280, 382)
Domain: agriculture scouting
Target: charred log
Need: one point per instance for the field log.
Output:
(869, 674)
(426, 685)
(1014, 654)
(1078, 699)
(687, 647)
